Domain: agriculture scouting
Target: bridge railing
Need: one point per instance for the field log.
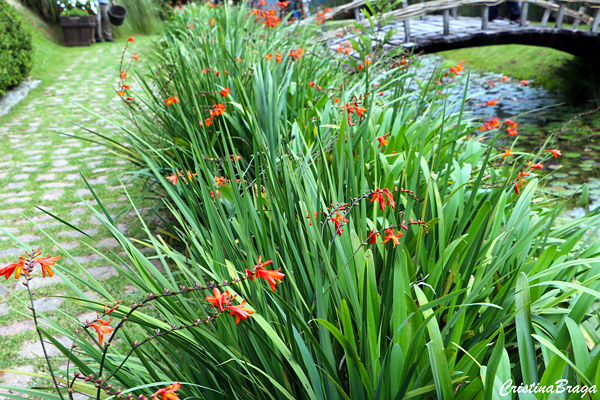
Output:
(448, 7)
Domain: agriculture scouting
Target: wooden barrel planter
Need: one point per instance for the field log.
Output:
(78, 31)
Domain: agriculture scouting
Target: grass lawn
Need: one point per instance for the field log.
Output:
(517, 61)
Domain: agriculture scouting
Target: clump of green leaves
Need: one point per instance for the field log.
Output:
(15, 48)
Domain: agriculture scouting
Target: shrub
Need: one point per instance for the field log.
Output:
(417, 262)
(15, 48)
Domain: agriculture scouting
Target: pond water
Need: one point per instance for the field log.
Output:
(541, 115)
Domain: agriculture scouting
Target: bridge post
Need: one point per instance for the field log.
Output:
(524, 12)
(546, 17)
(561, 15)
(446, 22)
(596, 21)
(406, 31)
(485, 14)
(577, 21)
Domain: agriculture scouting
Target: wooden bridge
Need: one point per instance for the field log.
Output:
(433, 26)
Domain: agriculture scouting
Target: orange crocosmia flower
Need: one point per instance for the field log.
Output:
(233, 158)
(308, 217)
(338, 220)
(171, 100)
(555, 153)
(220, 300)
(337, 101)
(383, 140)
(173, 178)
(378, 194)
(225, 92)
(218, 109)
(491, 102)
(537, 166)
(124, 74)
(121, 93)
(208, 122)
(508, 153)
(494, 122)
(278, 57)
(167, 393)
(393, 237)
(46, 263)
(220, 181)
(212, 22)
(509, 122)
(311, 84)
(240, 312)
(360, 67)
(239, 59)
(296, 54)
(135, 56)
(512, 132)
(270, 276)
(10, 268)
(217, 73)
(125, 87)
(131, 39)
(373, 237)
(102, 328)
(268, 57)
(504, 78)
(524, 83)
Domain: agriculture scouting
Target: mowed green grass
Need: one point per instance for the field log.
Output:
(521, 62)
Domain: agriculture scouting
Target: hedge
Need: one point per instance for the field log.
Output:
(15, 48)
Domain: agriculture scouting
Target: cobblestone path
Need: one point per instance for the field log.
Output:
(40, 167)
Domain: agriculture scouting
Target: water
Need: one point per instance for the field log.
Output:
(541, 115)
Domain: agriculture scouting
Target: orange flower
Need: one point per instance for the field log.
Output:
(278, 57)
(208, 122)
(504, 78)
(555, 153)
(383, 140)
(220, 181)
(124, 74)
(171, 100)
(135, 56)
(508, 153)
(225, 92)
(173, 178)
(391, 236)
(167, 393)
(220, 300)
(102, 328)
(360, 67)
(270, 276)
(268, 57)
(389, 198)
(311, 84)
(338, 220)
(512, 132)
(296, 54)
(131, 39)
(239, 59)
(121, 93)
(212, 22)
(524, 83)
(491, 102)
(373, 237)
(15, 267)
(46, 263)
(240, 312)
(537, 166)
(219, 109)
(125, 87)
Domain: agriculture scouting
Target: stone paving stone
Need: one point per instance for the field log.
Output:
(33, 349)
(17, 327)
(47, 304)
(16, 380)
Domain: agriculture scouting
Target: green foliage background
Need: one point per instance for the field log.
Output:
(15, 48)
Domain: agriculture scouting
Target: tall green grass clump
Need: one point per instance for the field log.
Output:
(333, 232)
